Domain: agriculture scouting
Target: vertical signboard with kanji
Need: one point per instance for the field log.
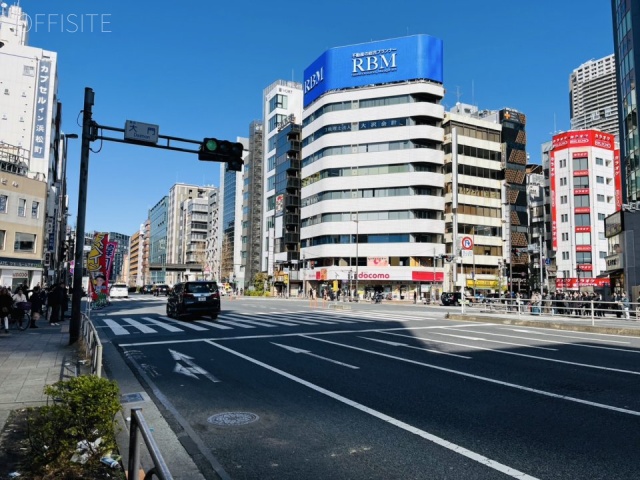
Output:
(40, 126)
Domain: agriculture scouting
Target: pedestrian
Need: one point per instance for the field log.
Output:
(6, 302)
(53, 300)
(624, 300)
(64, 301)
(37, 300)
(415, 296)
(19, 296)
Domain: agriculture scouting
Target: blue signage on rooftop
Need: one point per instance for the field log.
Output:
(418, 57)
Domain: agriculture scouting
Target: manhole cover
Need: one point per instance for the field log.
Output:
(229, 419)
(131, 398)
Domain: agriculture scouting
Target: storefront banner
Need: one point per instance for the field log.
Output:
(617, 178)
(574, 283)
(552, 179)
(375, 274)
(96, 264)
(377, 261)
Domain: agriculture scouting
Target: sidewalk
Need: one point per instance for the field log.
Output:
(34, 358)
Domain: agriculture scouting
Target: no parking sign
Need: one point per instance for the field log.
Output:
(467, 243)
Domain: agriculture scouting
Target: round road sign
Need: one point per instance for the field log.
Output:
(467, 243)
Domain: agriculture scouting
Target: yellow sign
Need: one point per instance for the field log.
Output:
(482, 283)
(286, 278)
(335, 285)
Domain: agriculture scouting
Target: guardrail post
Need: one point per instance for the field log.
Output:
(134, 446)
(593, 320)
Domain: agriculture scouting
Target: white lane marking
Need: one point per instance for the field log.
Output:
(311, 354)
(255, 322)
(504, 352)
(235, 324)
(164, 325)
(386, 418)
(568, 343)
(571, 336)
(141, 326)
(478, 377)
(214, 325)
(398, 344)
(277, 319)
(194, 369)
(115, 327)
(496, 341)
(185, 324)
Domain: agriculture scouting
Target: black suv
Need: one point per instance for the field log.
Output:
(194, 298)
(160, 290)
(450, 298)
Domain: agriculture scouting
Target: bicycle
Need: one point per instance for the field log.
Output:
(20, 317)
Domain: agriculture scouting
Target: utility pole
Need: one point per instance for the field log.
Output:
(78, 267)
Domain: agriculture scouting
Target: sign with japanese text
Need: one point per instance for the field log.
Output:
(584, 138)
(41, 114)
(377, 261)
(554, 213)
(617, 178)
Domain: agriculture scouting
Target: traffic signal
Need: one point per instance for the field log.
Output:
(214, 150)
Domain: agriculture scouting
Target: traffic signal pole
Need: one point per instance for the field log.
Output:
(78, 266)
(230, 153)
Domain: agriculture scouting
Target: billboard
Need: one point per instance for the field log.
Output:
(583, 138)
(386, 61)
(613, 225)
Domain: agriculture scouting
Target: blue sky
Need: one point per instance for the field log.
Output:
(198, 69)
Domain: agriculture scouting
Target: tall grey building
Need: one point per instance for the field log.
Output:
(592, 96)
(252, 204)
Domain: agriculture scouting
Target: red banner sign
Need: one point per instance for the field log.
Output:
(581, 173)
(583, 138)
(582, 210)
(617, 178)
(581, 191)
(575, 283)
(586, 229)
(552, 182)
(583, 248)
(580, 155)
(585, 268)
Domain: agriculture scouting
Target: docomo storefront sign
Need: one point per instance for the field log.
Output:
(375, 274)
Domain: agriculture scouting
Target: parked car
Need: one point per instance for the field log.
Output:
(450, 298)
(146, 289)
(161, 290)
(119, 290)
(193, 299)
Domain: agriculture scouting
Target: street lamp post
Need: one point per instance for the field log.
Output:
(63, 215)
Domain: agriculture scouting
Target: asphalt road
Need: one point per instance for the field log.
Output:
(276, 389)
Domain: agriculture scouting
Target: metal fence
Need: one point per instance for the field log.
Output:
(92, 345)
(139, 428)
(578, 308)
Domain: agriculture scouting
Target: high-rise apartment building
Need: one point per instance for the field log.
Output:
(212, 247)
(281, 104)
(592, 96)
(135, 276)
(158, 241)
(372, 167)
(118, 270)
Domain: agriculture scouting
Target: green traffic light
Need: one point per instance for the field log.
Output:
(211, 145)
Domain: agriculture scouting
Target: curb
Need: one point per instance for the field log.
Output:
(634, 332)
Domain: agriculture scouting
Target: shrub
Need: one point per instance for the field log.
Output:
(83, 410)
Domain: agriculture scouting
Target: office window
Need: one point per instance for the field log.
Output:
(583, 220)
(3, 235)
(278, 101)
(563, 181)
(565, 237)
(583, 238)
(563, 199)
(22, 207)
(580, 164)
(603, 254)
(599, 179)
(581, 182)
(601, 216)
(562, 163)
(35, 209)
(3, 203)
(600, 198)
(25, 242)
(581, 201)
(599, 161)
(583, 257)
(564, 218)
(565, 255)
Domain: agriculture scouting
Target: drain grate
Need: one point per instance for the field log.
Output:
(231, 419)
(131, 398)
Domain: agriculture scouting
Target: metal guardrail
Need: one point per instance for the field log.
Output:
(594, 309)
(92, 345)
(139, 427)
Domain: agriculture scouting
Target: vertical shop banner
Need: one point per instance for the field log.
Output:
(41, 123)
(96, 264)
(617, 178)
(111, 255)
(552, 181)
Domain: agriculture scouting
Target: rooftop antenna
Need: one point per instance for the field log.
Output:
(458, 94)
(473, 94)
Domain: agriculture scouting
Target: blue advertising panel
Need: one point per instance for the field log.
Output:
(385, 61)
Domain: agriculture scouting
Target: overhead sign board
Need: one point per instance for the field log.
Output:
(139, 132)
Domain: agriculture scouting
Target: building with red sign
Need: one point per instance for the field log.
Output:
(585, 187)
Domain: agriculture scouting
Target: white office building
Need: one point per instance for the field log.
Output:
(372, 197)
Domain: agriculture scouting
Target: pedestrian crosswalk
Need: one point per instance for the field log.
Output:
(127, 325)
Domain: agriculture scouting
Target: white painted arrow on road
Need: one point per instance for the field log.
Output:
(398, 344)
(307, 352)
(192, 369)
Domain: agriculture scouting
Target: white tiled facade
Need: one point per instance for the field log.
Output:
(585, 188)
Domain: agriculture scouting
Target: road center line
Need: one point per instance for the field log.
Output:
(485, 379)
(393, 421)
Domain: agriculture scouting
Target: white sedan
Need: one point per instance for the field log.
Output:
(119, 290)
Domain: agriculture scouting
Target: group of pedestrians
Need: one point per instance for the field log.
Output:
(52, 303)
(580, 304)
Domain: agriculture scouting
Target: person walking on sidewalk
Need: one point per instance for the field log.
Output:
(53, 299)
(6, 302)
(624, 300)
(64, 302)
(37, 299)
